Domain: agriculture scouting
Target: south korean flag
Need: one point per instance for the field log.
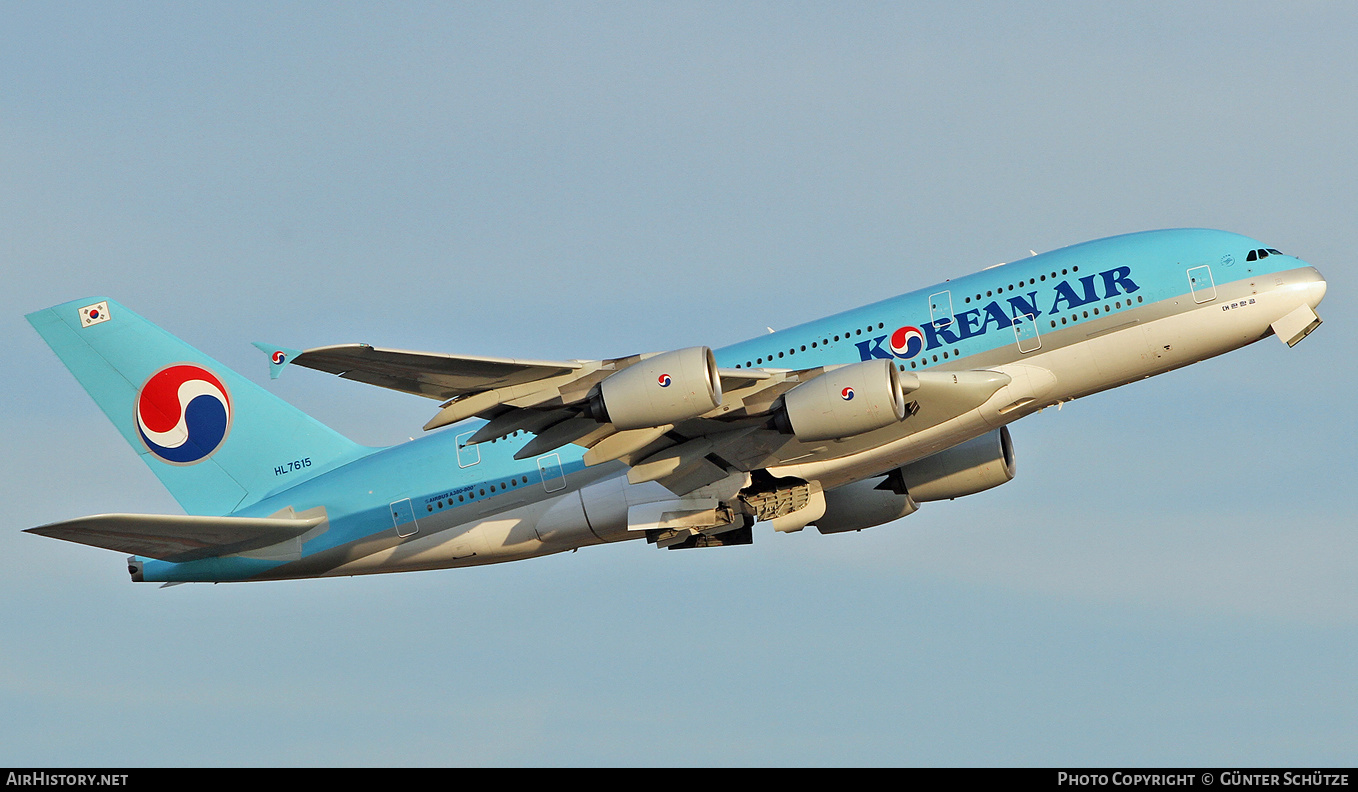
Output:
(94, 314)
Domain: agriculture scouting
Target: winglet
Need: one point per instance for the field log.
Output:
(278, 357)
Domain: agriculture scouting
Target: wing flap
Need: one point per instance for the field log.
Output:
(178, 538)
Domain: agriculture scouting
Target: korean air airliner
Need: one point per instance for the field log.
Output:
(843, 423)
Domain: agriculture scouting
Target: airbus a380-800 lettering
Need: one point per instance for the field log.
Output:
(843, 423)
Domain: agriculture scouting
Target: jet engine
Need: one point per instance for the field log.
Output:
(863, 504)
(844, 402)
(661, 389)
(965, 469)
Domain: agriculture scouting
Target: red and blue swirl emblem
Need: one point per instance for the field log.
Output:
(907, 342)
(664, 380)
(183, 414)
(278, 357)
(846, 394)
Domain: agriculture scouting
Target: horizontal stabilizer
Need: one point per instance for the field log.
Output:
(178, 538)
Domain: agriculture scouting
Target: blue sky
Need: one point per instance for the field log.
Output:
(1170, 580)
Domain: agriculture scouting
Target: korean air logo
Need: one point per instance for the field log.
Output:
(907, 342)
(183, 414)
(846, 394)
(278, 358)
(664, 380)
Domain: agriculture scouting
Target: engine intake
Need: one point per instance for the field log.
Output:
(662, 389)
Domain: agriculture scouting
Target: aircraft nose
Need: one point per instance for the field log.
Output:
(1314, 285)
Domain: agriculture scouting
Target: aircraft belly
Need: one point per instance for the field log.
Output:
(1190, 332)
(1121, 353)
(502, 537)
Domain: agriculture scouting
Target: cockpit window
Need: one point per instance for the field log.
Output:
(1261, 253)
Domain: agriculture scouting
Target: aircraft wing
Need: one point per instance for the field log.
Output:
(602, 405)
(178, 538)
(428, 374)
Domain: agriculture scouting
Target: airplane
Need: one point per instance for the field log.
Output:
(842, 423)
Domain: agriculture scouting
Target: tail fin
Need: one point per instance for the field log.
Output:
(217, 441)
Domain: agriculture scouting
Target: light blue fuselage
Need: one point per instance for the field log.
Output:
(1088, 313)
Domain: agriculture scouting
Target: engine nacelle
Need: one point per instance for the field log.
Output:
(845, 402)
(663, 389)
(863, 504)
(965, 469)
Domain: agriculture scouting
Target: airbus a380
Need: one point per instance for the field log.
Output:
(842, 423)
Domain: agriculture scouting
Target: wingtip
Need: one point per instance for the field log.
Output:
(278, 357)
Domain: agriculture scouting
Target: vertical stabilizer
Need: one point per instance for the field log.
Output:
(216, 440)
